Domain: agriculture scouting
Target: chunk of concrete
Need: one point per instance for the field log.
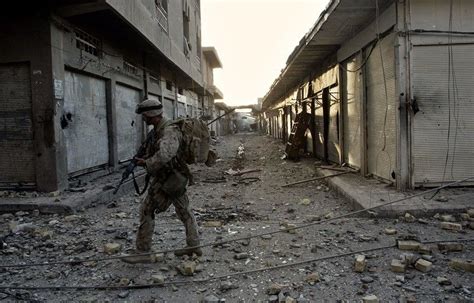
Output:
(370, 299)
(360, 263)
(390, 231)
(423, 265)
(451, 226)
(409, 245)
(397, 266)
(112, 248)
(450, 246)
(461, 264)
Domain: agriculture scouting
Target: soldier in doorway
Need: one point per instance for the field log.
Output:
(169, 176)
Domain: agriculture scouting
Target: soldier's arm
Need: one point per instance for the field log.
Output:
(168, 148)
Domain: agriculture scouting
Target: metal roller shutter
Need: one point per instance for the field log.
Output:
(17, 154)
(84, 122)
(352, 106)
(443, 116)
(128, 123)
(333, 140)
(381, 127)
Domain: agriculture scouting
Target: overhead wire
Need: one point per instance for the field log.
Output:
(217, 243)
(219, 277)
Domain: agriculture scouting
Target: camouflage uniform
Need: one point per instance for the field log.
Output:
(164, 147)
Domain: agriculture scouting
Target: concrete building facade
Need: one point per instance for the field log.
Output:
(388, 87)
(72, 72)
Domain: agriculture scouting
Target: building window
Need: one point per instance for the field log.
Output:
(87, 43)
(162, 13)
(129, 68)
(169, 85)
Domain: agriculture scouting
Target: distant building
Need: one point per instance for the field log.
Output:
(389, 88)
(72, 72)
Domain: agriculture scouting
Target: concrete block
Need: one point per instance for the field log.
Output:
(370, 299)
(409, 245)
(470, 212)
(409, 218)
(424, 249)
(187, 268)
(450, 246)
(461, 264)
(397, 266)
(112, 248)
(313, 278)
(451, 226)
(423, 265)
(360, 263)
(447, 218)
(158, 279)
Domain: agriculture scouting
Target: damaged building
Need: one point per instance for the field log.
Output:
(72, 72)
(387, 88)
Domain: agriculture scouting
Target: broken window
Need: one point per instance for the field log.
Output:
(87, 43)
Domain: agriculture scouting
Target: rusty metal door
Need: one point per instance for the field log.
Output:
(17, 153)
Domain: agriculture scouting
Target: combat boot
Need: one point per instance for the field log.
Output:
(188, 251)
(135, 258)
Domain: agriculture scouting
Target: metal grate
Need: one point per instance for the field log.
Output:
(87, 43)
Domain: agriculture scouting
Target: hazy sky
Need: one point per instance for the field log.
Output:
(254, 39)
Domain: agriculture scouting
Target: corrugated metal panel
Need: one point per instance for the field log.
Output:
(333, 139)
(351, 105)
(319, 126)
(128, 123)
(442, 115)
(85, 115)
(381, 128)
(17, 155)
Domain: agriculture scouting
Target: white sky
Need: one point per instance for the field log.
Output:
(253, 39)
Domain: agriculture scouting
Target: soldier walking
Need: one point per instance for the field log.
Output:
(169, 176)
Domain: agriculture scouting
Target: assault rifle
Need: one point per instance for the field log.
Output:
(133, 164)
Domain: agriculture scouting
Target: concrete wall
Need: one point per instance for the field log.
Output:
(26, 38)
(140, 14)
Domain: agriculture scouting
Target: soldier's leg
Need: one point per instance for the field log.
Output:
(185, 214)
(155, 201)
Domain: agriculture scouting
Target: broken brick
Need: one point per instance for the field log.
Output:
(423, 265)
(112, 248)
(450, 246)
(397, 266)
(370, 299)
(409, 245)
(461, 264)
(360, 263)
(451, 226)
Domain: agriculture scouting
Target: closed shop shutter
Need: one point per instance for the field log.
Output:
(352, 107)
(381, 109)
(129, 127)
(443, 129)
(319, 125)
(85, 122)
(17, 154)
(333, 138)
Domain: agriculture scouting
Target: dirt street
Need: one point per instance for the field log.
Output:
(226, 207)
